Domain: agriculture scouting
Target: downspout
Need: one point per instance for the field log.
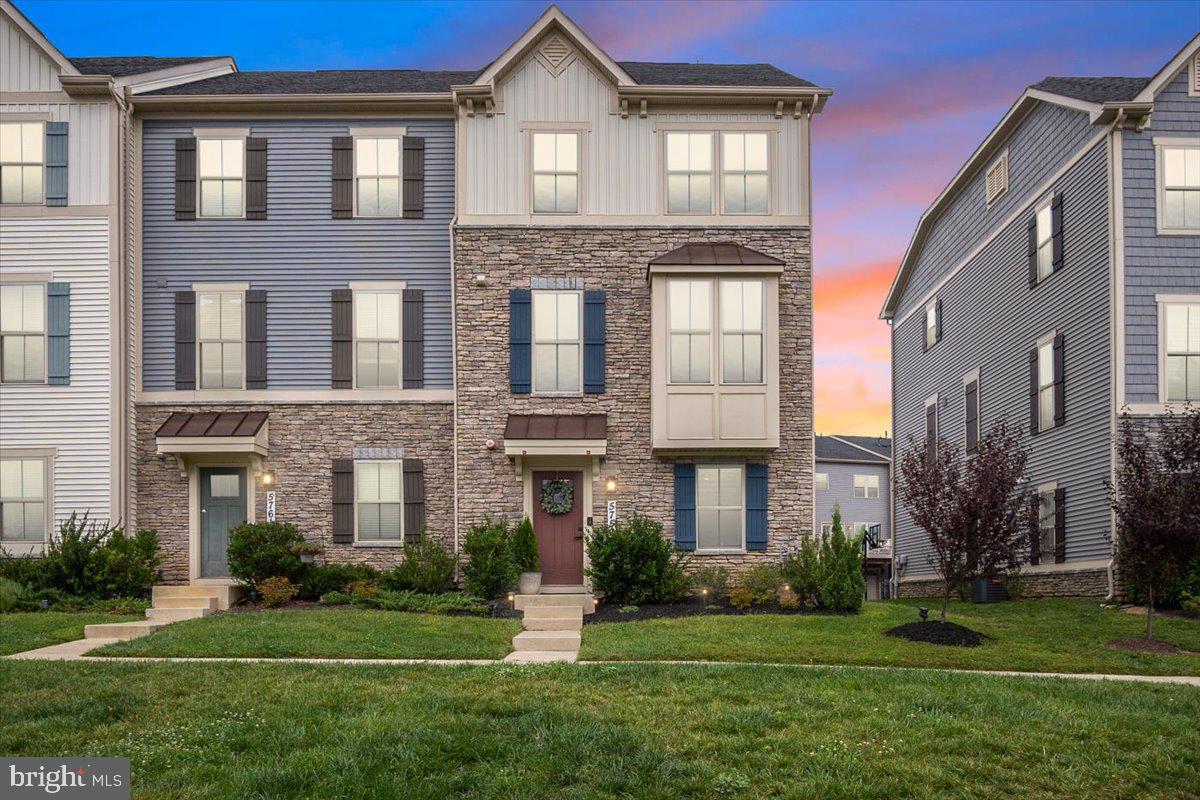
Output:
(1115, 220)
(454, 365)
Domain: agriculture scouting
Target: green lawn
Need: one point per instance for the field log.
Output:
(1034, 635)
(604, 731)
(27, 631)
(336, 633)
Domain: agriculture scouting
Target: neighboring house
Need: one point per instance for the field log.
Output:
(65, 393)
(854, 473)
(1056, 283)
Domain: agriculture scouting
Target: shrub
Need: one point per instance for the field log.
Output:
(363, 590)
(262, 550)
(128, 564)
(25, 570)
(842, 584)
(711, 583)
(524, 547)
(427, 567)
(11, 594)
(335, 599)
(802, 569)
(1190, 605)
(444, 603)
(759, 584)
(129, 606)
(318, 580)
(276, 591)
(740, 597)
(631, 562)
(489, 572)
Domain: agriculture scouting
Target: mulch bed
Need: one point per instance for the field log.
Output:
(1140, 644)
(609, 612)
(944, 633)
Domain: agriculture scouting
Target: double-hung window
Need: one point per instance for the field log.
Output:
(690, 315)
(744, 173)
(377, 339)
(556, 173)
(23, 332)
(822, 481)
(931, 324)
(866, 486)
(1045, 241)
(377, 176)
(720, 508)
(826, 528)
(220, 339)
(379, 501)
(1181, 359)
(689, 172)
(1047, 508)
(22, 499)
(742, 331)
(557, 342)
(1179, 188)
(222, 173)
(1045, 385)
(22, 159)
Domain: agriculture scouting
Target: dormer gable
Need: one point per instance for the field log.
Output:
(29, 62)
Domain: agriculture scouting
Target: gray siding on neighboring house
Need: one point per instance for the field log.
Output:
(992, 319)
(299, 253)
(1153, 264)
(873, 511)
(1045, 140)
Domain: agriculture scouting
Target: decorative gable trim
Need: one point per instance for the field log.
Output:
(555, 54)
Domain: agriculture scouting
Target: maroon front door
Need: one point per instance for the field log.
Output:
(559, 536)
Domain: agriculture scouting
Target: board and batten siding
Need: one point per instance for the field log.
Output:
(23, 66)
(992, 319)
(299, 253)
(75, 420)
(1153, 264)
(89, 146)
(873, 511)
(1046, 139)
(622, 159)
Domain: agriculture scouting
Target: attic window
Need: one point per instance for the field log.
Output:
(996, 182)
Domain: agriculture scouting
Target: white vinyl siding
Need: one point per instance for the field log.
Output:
(1181, 358)
(689, 173)
(1178, 180)
(23, 333)
(866, 486)
(720, 508)
(219, 339)
(742, 327)
(745, 175)
(22, 161)
(690, 314)
(556, 173)
(377, 176)
(379, 501)
(557, 342)
(1045, 379)
(23, 502)
(221, 169)
(377, 339)
(1045, 242)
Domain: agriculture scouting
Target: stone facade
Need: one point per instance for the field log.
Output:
(615, 260)
(1061, 583)
(303, 440)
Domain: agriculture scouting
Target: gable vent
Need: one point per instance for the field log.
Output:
(1194, 86)
(555, 54)
(996, 181)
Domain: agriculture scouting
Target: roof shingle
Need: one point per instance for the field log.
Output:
(853, 448)
(1093, 90)
(123, 66)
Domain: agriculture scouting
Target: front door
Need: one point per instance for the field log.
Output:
(222, 506)
(559, 536)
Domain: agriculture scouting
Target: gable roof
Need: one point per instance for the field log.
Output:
(36, 36)
(124, 66)
(1093, 90)
(871, 449)
(349, 81)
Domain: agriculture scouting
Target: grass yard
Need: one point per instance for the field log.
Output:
(30, 630)
(602, 731)
(336, 633)
(1032, 635)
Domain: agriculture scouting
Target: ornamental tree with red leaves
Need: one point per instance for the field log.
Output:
(976, 511)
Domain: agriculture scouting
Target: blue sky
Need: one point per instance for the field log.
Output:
(916, 87)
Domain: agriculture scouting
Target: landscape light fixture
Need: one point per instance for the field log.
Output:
(924, 612)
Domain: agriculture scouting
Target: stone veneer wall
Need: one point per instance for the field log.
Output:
(1063, 583)
(303, 440)
(615, 260)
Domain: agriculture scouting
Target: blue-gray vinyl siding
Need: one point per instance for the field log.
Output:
(1153, 264)
(299, 253)
(873, 511)
(992, 319)
(1045, 140)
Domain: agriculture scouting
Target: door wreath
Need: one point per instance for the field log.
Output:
(557, 497)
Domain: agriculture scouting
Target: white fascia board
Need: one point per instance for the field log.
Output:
(175, 76)
(1168, 73)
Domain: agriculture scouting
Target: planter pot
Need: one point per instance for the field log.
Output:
(529, 583)
(307, 558)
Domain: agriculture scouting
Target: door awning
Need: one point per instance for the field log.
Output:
(214, 432)
(556, 434)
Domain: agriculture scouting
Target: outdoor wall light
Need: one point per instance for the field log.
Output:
(924, 612)
(268, 478)
(611, 484)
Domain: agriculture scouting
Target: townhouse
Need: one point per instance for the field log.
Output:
(854, 474)
(1056, 283)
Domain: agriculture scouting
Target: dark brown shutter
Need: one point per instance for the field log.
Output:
(972, 409)
(343, 338)
(343, 177)
(1060, 525)
(1033, 272)
(414, 177)
(343, 501)
(1056, 229)
(1060, 400)
(413, 317)
(931, 432)
(1033, 391)
(256, 339)
(414, 499)
(256, 178)
(185, 178)
(1035, 529)
(185, 340)
(937, 313)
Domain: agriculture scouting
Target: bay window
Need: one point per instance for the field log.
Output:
(690, 311)
(742, 331)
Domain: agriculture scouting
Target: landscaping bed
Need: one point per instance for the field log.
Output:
(947, 634)
(689, 607)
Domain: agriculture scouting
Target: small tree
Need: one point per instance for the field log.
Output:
(524, 547)
(1157, 502)
(842, 585)
(976, 515)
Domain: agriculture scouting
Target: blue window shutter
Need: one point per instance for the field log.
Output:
(593, 342)
(520, 336)
(56, 163)
(756, 507)
(58, 334)
(685, 506)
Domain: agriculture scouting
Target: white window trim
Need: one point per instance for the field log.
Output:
(713, 173)
(533, 341)
(999, 163)
(1162, 143)
(220, 134)
(381, 132)
(378, 542)
(580, 133)
(741, 468)
(374, 287)
(42, 164)
(220, 288)
(45, 379)
(1045, 339)
(817, 481)
(47, 456)
(968, 379)
(821, 527)
(1162, 301)
(770, 173)
(866, 487)
(930, 309)
(719, 328)
(713, 324)
(366, 133)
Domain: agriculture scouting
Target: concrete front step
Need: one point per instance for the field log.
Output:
(176, 614)
(547, 641)
(586, 602)
(206, 602)
(121, 630)
(225, 595)
(553, 618)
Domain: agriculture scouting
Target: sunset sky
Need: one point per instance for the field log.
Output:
(916, 87)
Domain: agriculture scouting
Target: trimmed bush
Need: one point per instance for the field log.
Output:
(363, 590)
(317, 580)
(427, 568)
(631, 563)
(711, 583)
(335, 599)
(276, 591)
(758, 585)
(262, 550)
(489, 572)
(524, 547)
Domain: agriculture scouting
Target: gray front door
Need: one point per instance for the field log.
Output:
(222, 506)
